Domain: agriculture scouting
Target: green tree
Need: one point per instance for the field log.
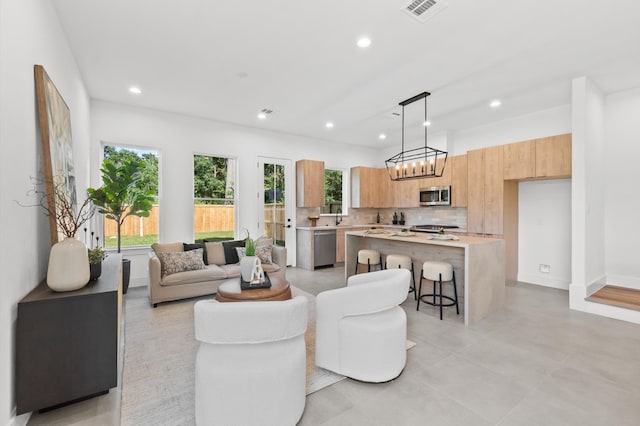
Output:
(273, 182)
(211, 179)
(147, 181)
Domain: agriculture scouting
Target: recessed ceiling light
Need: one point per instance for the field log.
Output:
(328, 125)
(364, 42)
(426, 123)
(495, 103)
(382, 136)
(135, 90)
(262, 115)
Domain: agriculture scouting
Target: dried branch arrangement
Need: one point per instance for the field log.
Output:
(68, 221)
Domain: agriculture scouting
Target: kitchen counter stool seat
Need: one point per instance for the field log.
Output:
(401, 261)
(369, 258)
(438, 272)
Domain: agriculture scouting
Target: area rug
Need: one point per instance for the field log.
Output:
(158, 379)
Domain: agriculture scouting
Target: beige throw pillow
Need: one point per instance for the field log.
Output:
(174, 262)
(263, 250)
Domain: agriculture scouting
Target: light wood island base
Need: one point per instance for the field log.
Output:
(478, 264)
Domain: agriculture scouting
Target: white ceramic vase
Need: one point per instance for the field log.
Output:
(251, 269)
(68, 265)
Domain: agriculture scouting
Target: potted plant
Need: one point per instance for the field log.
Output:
(119, 197)
(96, 256)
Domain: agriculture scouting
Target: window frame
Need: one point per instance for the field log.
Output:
(99, 224)
(235, 190)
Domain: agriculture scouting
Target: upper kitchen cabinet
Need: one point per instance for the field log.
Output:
(544, 158)
(310, 183)
(405, 193)
(365, 187)
(458, 167)
(485, 191)
(553, 156)
(520, 160)
(371, 187)
(445, 179)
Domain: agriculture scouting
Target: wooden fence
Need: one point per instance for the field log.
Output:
(207, 218)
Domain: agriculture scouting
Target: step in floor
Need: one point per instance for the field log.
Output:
(622, 297)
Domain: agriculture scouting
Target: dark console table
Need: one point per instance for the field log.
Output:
(67, 343)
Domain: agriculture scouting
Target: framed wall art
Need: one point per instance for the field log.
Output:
(54, 120)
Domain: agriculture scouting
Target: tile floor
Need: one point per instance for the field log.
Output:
(534, 363)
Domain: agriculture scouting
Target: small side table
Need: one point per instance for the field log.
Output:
(229, 291)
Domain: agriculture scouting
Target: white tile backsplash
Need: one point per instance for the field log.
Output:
(413, 216)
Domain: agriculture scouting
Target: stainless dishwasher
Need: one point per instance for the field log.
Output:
(324, 248)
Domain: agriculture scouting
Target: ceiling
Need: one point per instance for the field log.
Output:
(227, 60)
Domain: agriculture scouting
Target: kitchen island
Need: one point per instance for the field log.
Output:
(478, 264)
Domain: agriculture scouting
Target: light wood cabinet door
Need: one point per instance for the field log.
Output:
(340, 244)
(459, 182)
(445, 179)
(405, 193)
(384, 189)
(475, 188)
(309, 183)
(485, 191)
(493, 190)
(364, 187)
(520, 160)
(553, 156)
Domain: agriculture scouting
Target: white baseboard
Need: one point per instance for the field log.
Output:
(544, 281)
(596, 285)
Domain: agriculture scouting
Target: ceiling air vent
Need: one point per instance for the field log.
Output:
(424, 9)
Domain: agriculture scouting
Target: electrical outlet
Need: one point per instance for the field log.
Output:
(544, 268)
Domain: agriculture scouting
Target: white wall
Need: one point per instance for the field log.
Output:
(544, 232)
(29, 34)
(553, 121)
(622, 191)
(587, 190)
(178, 137)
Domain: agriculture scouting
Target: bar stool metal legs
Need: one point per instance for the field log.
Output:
(438, 272)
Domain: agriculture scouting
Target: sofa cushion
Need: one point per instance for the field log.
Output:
(167, 247)
(273, 267)
(194, 246)
(174, 262)
(215, 253)
(209, 273)
(232, 270)
(230, 254)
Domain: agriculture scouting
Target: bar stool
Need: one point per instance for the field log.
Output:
(403, 262)
(438, 272)
(368, 257)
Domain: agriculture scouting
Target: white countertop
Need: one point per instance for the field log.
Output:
(426, 238)
(366, 226)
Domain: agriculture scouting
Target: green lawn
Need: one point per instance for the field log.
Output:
(147, 240)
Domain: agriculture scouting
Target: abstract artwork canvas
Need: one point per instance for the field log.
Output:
(57, 151)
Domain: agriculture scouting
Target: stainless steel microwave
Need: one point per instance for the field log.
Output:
(435, 196)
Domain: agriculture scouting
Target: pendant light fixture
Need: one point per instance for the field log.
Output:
(418, 163)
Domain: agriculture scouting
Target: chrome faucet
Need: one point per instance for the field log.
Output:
(338, 216)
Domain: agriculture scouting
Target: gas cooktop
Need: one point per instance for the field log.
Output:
(434, 229)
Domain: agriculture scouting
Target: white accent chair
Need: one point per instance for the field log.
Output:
(361, 332)
(251, 364)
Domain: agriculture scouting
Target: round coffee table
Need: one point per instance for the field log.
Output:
(229, 291)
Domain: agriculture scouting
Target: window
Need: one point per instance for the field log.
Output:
(333, 192)
(135, 231)
(214, 198)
